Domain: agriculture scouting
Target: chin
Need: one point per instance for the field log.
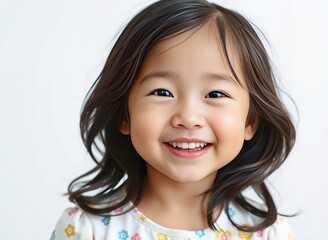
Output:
(194, 178)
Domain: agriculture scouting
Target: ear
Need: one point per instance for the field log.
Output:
(125, 127)
(250, 128)
(249, 132)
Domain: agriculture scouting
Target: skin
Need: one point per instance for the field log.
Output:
(185, 92)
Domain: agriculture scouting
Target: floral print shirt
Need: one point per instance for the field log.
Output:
(75, 224)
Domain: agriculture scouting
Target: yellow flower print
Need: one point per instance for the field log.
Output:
(279, 220)
(161, 236)
(143, 218)
(223, 235)
(245, 235)
(290, 236)
(70, 230)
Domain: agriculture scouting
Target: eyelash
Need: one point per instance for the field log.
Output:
(159, 91)
(221, 94)
(166, 93)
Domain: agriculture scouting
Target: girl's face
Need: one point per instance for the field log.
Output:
(187, 113)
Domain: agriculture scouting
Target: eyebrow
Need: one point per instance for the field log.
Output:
(172, 75)
(160, 74)
(220, 76)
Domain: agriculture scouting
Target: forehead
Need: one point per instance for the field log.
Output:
(203, 42)
(204, 37)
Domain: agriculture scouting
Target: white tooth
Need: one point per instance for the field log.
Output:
(184, 145)
(191, 145)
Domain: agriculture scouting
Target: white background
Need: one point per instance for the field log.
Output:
(52, 51)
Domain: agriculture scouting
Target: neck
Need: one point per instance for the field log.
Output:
(173, 204)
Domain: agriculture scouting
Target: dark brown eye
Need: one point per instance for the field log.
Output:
(215, 94)
(162, 93)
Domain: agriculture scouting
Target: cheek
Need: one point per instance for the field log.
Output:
(139, 133)
(143, 119)
(139, 128)
(230, 131)
(145, 129)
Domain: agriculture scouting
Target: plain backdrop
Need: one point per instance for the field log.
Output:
(52, 51)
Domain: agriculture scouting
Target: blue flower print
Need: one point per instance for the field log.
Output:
(123, 234)
(231, 212)
(200, 233)
(105, 220)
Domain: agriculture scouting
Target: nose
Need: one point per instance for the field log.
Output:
(188, 115)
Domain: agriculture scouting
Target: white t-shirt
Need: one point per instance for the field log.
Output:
(76, 224)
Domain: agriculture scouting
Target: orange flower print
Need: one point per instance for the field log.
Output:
(245, 235)
(70, 230)
(161, 236)
(223, 235)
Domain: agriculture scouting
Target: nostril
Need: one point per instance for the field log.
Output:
(187, 121)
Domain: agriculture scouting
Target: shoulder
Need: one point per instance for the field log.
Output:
(279, 230)
(76, 224)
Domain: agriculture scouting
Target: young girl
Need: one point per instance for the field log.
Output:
(185, 116)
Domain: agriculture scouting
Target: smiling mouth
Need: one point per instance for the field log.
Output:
(188, 146)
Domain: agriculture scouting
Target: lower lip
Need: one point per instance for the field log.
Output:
(186, 153)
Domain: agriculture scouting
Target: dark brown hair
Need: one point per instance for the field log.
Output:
(121, 167)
